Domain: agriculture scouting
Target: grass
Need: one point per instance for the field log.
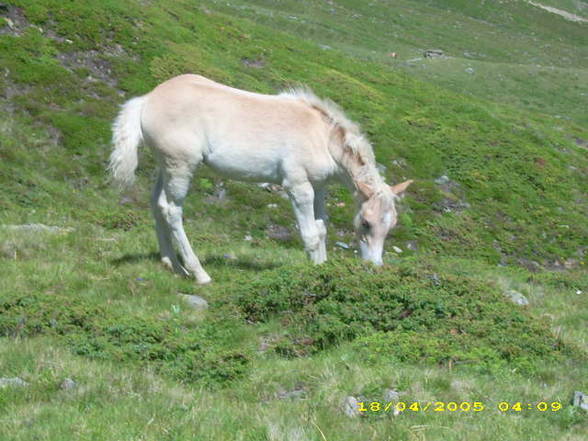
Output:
(94, 304)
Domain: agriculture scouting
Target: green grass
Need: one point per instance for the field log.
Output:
(95, 305)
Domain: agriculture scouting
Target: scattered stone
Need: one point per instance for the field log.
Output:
(278, 232)
(399, 163)
(256, 63)
(248, 237)
(194, 301)
(433, 53)
(580, 400)
(396, 249)
(38, 227)
(351, 407)
(578, 291)
(340, 204)
(435, 279)
(298, 393)
(442, 180)
(272, 205)
(470, 70)
(412, 245)
(391, 395)
(68, 384)
(14, 381)
(342, 245)
(516, 297)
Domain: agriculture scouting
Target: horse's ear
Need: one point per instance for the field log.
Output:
(399, 189)
(365, 189)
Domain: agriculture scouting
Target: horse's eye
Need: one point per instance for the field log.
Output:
(365, 224)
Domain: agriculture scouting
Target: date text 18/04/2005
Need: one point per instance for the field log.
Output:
(455, 406)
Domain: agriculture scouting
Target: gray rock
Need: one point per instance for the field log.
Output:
(433, 53)
(68, 384)
(470, 70)
(14, 381)
(351, 407)
(391, 395)
(516, 297)
(412, 245)
(442, 180)
(580, 400)
(194, 301)
(342, 245)
(297, 393)
(278, 232)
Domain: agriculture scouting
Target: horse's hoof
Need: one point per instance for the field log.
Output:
(204, 280)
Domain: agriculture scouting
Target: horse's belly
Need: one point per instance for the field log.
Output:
(251, 167)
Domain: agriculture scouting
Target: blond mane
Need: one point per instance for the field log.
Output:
(355, 144)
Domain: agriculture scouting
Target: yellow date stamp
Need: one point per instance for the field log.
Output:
(456, 406)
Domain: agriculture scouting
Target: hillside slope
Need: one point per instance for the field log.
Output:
(499, 205)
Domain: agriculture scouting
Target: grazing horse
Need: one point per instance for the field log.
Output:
(294, 139)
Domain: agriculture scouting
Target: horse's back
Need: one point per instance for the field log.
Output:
(245, 134)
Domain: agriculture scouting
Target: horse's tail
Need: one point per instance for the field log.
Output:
(126, 139)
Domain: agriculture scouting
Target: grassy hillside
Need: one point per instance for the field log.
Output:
(283, 343)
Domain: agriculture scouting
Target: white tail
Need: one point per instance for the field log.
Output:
(126, 139)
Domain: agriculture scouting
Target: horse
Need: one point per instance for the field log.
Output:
(294, 139)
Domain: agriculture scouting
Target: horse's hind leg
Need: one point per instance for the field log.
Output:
(320, 214)
(175, 186)
(158, 205)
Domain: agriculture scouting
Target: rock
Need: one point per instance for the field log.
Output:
(272, 205)
(38, 227)
(14, 381)
(298, 393)
(351, 407)
(248, 237)
(256, 63)
(391, 395)
(470, 70)
(435, 279)
(194, 301)
(580, 400)
(325, 47)
(412, 245)
(516, 297)
(396, 249)
(68, 384)
(441, 180)
(342, 245)
(578, 291)
(433, 53)
(278, 232)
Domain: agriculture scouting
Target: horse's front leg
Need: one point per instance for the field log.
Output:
(302, 197)
(320, 214)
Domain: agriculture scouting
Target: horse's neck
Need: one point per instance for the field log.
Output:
(362, 179)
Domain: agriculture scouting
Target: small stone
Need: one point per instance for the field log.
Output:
(195, 301)
(340, 204)
(248, 237)
(578, 291)
(470, 70)
(580, 400)
(391, 395)
(68, 384)
(272, 205)
(516, 297)
(351, 407)
(294, 394)
(278, 232)
(229, 256)
(396, 249)
(14, 381)
(342, 245)
(442, 180)
(412, 245)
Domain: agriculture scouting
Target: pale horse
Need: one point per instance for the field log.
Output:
(294, 139)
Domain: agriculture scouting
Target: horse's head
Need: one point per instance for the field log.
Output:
(375, 218)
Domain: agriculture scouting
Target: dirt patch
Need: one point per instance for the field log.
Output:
(14, 22)
(93, 61)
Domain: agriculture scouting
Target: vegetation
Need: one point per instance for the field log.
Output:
(282, 343)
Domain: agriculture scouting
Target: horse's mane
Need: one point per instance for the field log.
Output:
(353, 137)
(355, 144)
